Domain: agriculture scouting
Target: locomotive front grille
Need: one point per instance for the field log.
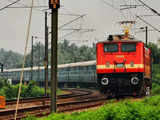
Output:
(121, 84)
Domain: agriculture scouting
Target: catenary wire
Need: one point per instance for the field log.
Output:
(9, 5)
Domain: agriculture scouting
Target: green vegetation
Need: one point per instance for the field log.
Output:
(30, 90)
(67, 53)
(156, 74)
(155, 53)
(146, 109)
(10, 59)
(156, 79)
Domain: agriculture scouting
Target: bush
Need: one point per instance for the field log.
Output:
(146, 109)
(155, 89)
(30, 90)
(3, 82)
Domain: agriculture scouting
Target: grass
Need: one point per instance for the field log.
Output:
(146, 109)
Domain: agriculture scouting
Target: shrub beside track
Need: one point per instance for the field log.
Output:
(145, 109)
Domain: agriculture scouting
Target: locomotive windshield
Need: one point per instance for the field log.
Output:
(110, 47)
(131, 47)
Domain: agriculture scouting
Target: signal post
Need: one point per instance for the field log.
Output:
(54, 5)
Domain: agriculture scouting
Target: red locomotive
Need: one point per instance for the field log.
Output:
(123, 67)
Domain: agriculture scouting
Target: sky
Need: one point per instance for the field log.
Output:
(101, 16)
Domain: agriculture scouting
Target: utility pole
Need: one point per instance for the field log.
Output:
(1, 67)
(38, 62)
(54, 5)
(32, 59)
(46, 55)
(146, 36)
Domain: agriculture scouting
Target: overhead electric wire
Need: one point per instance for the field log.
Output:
(117, 9)
(70, 14)
(147, 15)
(140, 18)
(156, 29)
(28, 7)
(153, 10)
(71, 21)
(23, 6)
(9, 5)
(110, 5)
(130, 13)
(17, 3)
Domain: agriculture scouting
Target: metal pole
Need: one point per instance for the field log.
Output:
(46, 55)
(38, 62)
(32, 60)
(146, 36)
(54, 30)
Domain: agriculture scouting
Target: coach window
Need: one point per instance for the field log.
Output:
(131, 47)
(110, 47)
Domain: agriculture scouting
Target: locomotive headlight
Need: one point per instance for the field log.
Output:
(134, 80)
(104, 81)
(132, 64)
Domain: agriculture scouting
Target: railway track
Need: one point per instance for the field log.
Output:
(76, 100)
(70, 94)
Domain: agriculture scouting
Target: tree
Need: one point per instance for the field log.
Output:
(155, 53)
(38, 55)
(10, 59)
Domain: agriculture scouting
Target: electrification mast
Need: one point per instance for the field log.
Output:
(54, 5)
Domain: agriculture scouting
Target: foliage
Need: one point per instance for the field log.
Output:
(146, 109)
(156, 79)
(3, 82)
(30, 90)
(155, 89)
(38, 55)
(10, 59)
(156, 74)
(67, 53)
(155, 53)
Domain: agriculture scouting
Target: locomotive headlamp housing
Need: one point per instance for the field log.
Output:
(104, 81)
(132, 64)
(134, 80)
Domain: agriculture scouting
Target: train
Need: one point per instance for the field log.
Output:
(80, 74)
(124, 67)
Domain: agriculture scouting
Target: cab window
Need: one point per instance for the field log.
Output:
(110, 47)
(128, 47)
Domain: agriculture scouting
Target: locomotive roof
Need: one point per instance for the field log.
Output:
(123, 41)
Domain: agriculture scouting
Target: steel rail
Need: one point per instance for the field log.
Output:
(42, 110)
